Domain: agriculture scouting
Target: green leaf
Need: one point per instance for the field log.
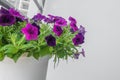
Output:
(26, 46)
(5, 47)
(9, 49)
(2, 56)
(1, 36)
(30, 54)
(13, 38)
(9, 55)
(44, 51)
(21, 41)
(36, 55)
(12, 50)
(16, 57)
(51, 49)
(61, 54)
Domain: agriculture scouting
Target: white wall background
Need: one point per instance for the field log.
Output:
(102, 21)
(33, 10)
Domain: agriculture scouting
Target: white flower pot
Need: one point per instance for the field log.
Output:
(25, 69)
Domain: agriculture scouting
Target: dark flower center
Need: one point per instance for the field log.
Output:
(74, 25)
(78, 40)
(30, 31)
(6, 18)
(51, 40)
(58, 29)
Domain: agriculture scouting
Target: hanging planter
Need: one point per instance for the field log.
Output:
(25, 69)
(40, 38)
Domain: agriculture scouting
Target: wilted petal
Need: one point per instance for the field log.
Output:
(71, 30)
(82, 30)
(76, 55)
(83, 52)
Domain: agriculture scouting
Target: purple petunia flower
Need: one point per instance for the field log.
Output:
(30, 32)
(48, 20)
(38, 17)
(58, 20)
(7, 20)
(57, 30)
(73, 20)
(18, 16)
(51, 16)
(82, 30)
(73, 26)
(14, 12)
(78, 39)
(61, 22)
(51, 41)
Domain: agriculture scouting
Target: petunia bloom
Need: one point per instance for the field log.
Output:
(7, 20)
(57, 19)
(51, 16)
(14, 12)
(38, 17)
(78, 39)
(61, 22)
(18, 16)
(48, 20)
(30, 32)
(74, 26)
(51, 41)
(73, 20)
(82, 30)
(57, 30)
